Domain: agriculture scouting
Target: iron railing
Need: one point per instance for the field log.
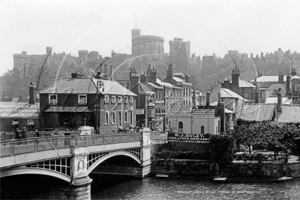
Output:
(46, 143)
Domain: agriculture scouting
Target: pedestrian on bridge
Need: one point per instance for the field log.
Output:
(37, 134)
(24, 134)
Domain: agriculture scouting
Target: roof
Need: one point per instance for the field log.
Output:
(295, 77)
(18, 110)
(179, 80)
(145, 89)
(86, 86)
(243, 83)
(113, 87)
(71, 85)
(256, 112)
(154, 85)
(268, 79)
(68, 109)
(289, 114)
(227, 93)
(285, 100)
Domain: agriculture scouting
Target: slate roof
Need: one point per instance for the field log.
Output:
(227, 93)
(145, 89)
(179, 80)
(17, 110)
(273, 100)
(113, 87)
(243, 84)
(71, 85)
(256, 112)
(86, 86)
(289, 114)
(268, 79)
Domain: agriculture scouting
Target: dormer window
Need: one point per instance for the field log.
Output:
(82, 99)
(53, 99)
(106, 99)
(120, 99)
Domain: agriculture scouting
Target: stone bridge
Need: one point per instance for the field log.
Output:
(73, 158)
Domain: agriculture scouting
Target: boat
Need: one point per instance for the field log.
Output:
(220, 179)
(162, 175)
(284, 179)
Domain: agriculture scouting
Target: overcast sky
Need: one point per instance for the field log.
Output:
(211, 26)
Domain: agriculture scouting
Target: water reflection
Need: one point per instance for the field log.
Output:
(154, 188)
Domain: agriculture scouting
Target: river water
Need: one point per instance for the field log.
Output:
(159, 188)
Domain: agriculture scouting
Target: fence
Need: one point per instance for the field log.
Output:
(37, 144)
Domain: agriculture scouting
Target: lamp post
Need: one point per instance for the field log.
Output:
(97, 107)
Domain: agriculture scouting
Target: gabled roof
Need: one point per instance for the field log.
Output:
(85, 86)
(289, 114)
(145, 89)
(71, 86)
(256, 112)
(243, 84)
(227, 93)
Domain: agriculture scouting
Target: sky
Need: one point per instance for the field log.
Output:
(211, 26)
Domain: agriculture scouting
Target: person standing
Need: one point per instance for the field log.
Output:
(37, 134)
(24, 134)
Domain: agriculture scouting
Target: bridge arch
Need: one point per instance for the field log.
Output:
(37, 171)
(110, 155)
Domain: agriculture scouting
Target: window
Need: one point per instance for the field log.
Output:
(113, 99)
(131, 117)
(180, 124)
(53, 99)
(119, 99)
(202, 129)
(180, 127)
(106, 99)
(131, 99)
(260, 95)
(14, 122)
(126, 117)
(120, 118)
(30, 122)
(82, 99)
(113, 117)
(125, 99)
(106, 117)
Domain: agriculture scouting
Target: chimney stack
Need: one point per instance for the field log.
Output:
(279, 101)
(32, 93)
(207, 98)
(280, 78)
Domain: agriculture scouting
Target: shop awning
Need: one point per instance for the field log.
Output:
(68, 109)
(19, 110)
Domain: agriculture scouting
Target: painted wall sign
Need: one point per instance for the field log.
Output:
(182, 137)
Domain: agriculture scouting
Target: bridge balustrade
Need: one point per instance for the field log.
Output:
(31, 145)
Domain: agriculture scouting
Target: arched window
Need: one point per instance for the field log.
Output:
(180, 125)
(202, 129)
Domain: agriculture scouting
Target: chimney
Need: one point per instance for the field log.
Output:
(294, 73)
(279, 101)
(256, 97)
(143, 78)
(105, 68)
(280, 78)
(288, 84)
(226, 84)
(32, 93)
(207, 98)
(111, 73)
